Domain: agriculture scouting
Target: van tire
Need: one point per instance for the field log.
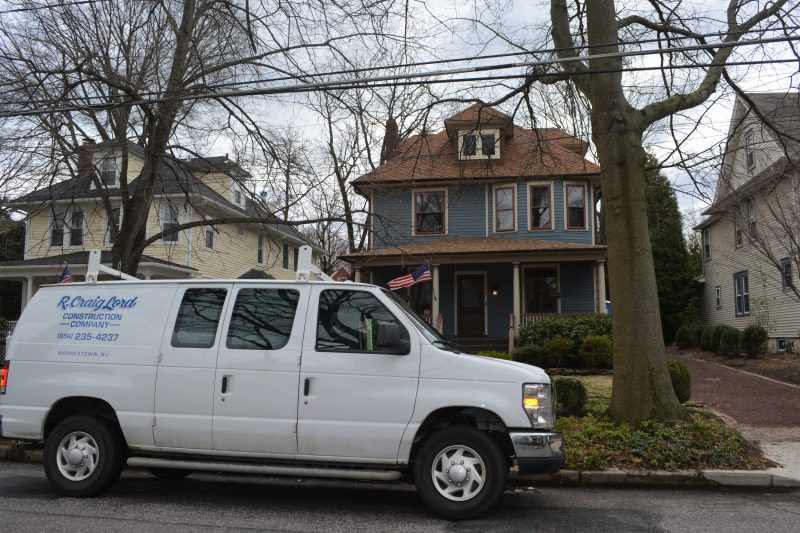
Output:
(103, 453)
(169, 473)
(469, 451)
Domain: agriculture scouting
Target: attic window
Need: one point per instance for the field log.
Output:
(479, 144)
(108, 171)
(749, 151)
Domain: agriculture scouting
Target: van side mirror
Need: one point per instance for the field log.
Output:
(390, 340)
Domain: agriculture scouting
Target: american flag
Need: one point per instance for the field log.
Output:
(66, 275)
(419, 275)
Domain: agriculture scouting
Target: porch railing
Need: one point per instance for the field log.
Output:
(7, 329)
(527, 318)
(437, 324)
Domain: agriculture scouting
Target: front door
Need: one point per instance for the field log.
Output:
(470, 307)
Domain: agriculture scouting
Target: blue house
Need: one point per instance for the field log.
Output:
(503, 215)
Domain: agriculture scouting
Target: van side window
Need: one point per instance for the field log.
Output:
(198, 318)
(348, 322)
(262, 319)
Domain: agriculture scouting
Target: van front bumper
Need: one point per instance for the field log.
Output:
(538, 452)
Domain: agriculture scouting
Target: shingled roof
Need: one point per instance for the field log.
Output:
(524, 152)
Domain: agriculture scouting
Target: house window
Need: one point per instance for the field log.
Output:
(169, 219)
(237, 196)
(781, 344)
(737, 230)
(706, 244)
(576, 206)
(786, 274)
(749, 150)
(429, 212)
(718, 296)
(76, 228)
(479, 144)
(504, 208)
(541, 290)
(742, 292)
(260, 250)
(296, 257)
(751, 217)
(209, 234)
(108, 171)
(286, 257)
(541, 213)
(57, 229)
(113, 223)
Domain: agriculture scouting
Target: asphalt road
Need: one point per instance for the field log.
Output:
(141, 503)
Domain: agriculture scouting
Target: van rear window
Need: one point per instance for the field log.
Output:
(262, 319)
(198, 318)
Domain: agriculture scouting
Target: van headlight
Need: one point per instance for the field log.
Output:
(537, 400)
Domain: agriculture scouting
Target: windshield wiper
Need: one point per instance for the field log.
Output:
(451, 346)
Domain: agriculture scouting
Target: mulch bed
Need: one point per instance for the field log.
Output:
(782, 367)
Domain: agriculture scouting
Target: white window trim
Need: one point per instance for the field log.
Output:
(705, 240)
(414, 211)
(515, 201)
(286, 258)
(736, 276)
(234, 188)
(549, 185)
(784, 286)
(749, 149)
(263, 249)
(718, 296)
(566, 185)
(110, 157)
(67, 233)
(479, 143)
(206, 230)
(161, 219)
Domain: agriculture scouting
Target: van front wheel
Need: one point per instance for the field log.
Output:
(83, 456)
(460, 472)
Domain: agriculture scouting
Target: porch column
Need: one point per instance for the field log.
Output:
(357, 274)
(435, 296)
(516, 290)
(28, 291)
(601, 285)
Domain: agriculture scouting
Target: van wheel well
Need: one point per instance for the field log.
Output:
(80, 405)
(480, 419)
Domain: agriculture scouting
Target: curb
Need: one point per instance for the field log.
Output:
(577, 478)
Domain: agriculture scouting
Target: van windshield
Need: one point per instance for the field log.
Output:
(428, 331)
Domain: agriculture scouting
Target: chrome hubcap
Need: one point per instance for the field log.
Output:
(458, 473)
(78, 456)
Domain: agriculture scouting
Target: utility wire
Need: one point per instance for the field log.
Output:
(404, 79)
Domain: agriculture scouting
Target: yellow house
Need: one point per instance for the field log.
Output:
(68, 218)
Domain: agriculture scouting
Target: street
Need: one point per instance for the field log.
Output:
(139, 502)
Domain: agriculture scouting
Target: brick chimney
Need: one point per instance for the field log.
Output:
(85, 167)
(391, 141)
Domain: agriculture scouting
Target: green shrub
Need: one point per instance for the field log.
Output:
(729, 341)
(577, 327)
(683, 337)
(753, 340)
(495, 354)
(597, 352)
(560, 351)
(570, 397)
(695, 332)
(716, 335)
(707, 338)
(681, 380)
(531, 354)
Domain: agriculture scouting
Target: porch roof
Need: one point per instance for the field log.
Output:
(77, 263)
(476, 246)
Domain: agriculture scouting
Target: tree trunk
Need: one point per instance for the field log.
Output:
(642, 387)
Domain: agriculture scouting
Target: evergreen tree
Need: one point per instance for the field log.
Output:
(674, 271)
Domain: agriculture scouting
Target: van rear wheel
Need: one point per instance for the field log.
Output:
(460, 472)
(83, 456)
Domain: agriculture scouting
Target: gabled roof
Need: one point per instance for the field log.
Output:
(256, 274)
(524, 152)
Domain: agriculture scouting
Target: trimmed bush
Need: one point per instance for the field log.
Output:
(729, 341)
(577, 327)
(683, 337)
(681, 380)
(597, 352)
(753, 340)
(495, 354)
(570, 397)
(695, 332)
(531, 354)
(560, 351)
(716, 334)
(706, 338)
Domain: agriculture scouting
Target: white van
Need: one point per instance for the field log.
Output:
(300, 378)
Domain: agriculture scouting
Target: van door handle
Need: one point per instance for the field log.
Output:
(306, 387)
(224, 384)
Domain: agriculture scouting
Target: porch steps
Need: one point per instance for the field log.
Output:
(482, 344)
